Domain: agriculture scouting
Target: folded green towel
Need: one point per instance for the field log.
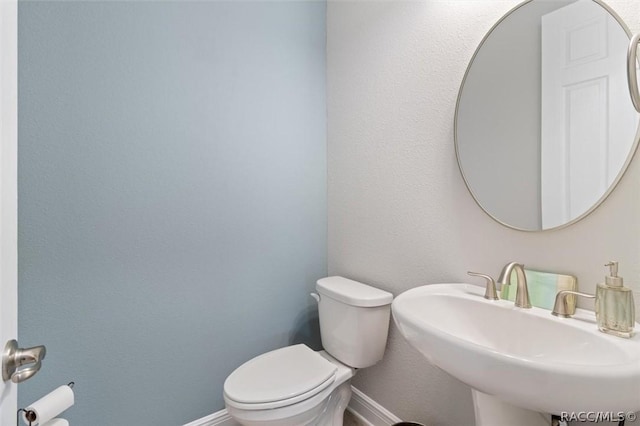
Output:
(543, 287)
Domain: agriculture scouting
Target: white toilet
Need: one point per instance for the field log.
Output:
(295, 386)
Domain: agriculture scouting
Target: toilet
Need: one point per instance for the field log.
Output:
(296, 386)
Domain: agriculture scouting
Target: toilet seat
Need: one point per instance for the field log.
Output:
(279, 378)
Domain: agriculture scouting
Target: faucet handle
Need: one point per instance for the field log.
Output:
(562, 308)
(490, 292)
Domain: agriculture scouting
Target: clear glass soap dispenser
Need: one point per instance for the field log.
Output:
(615, 310)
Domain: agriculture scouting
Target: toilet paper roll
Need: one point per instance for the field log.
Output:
(50, 405)
(57, 422)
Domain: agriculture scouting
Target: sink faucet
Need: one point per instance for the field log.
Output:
(490, 292)
(522, 291)
(562, 308)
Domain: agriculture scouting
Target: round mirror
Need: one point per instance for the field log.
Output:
(545, 126)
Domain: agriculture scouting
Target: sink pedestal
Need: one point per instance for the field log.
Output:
(491, 411)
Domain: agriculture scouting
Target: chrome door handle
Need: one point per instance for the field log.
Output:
(15, 357)
(26, 373)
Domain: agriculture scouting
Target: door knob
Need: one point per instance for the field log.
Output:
(14, 357)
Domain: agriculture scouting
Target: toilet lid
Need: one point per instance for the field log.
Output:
(279, 375)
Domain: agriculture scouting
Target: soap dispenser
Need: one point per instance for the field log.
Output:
(615, 310)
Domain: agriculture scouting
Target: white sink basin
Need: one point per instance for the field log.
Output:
(526, 357)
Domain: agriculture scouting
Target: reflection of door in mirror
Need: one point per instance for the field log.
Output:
(586, 136)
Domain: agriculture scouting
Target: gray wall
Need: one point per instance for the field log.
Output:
(172, 184)
(400, 215)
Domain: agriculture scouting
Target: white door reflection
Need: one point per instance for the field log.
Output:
(586, 135)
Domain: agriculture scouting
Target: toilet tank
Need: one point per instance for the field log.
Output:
(354, 320)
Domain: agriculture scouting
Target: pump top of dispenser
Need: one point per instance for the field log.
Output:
(613, 280)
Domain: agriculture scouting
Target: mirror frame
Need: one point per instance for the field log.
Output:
(620, 174)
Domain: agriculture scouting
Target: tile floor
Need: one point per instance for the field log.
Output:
(351, 420)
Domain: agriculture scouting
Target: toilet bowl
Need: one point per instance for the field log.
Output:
(319, 388)
(296, 386)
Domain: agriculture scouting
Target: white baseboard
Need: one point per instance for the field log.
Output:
(219, 418)
(369, 411)
(361, 406)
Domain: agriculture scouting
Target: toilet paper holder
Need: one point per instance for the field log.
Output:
(31, 416)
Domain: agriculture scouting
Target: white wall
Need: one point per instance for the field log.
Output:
(399, 213)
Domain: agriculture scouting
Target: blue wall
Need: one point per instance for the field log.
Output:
(172, 197)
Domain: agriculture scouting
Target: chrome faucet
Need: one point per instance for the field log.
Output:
(562, 308)
(490, 292)
(522, 291)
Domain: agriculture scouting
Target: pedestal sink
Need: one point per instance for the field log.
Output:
(525, 358)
